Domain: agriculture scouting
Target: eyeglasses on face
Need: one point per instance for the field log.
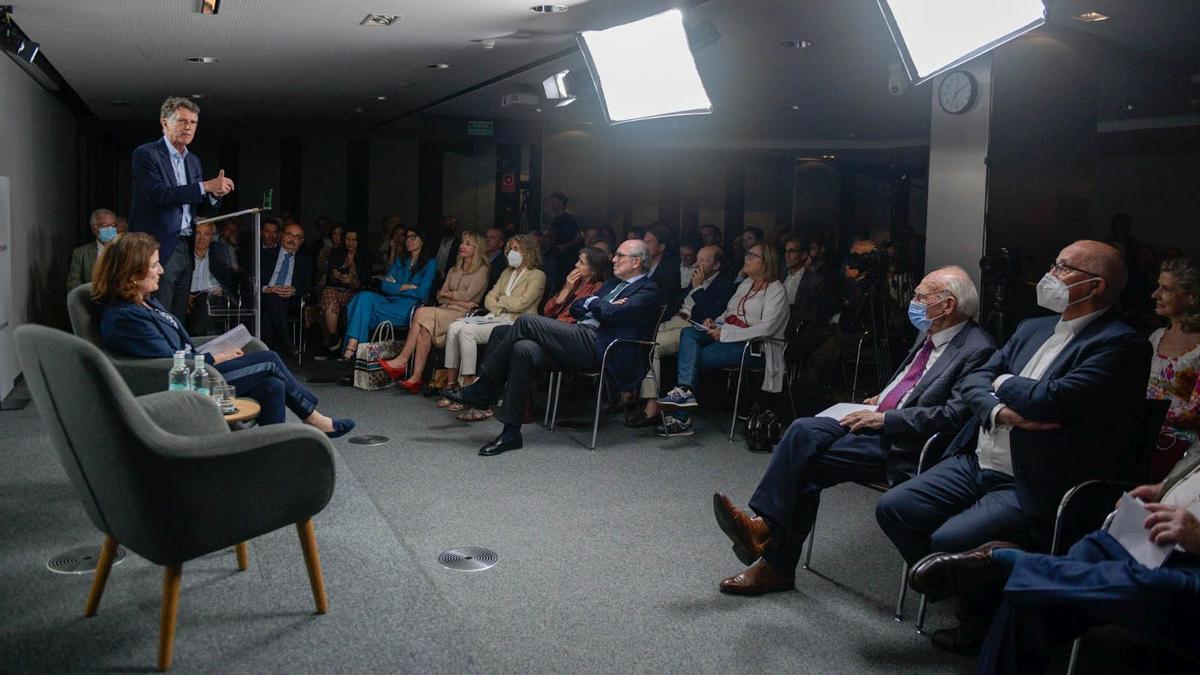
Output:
(751, 255)
(1060, 268)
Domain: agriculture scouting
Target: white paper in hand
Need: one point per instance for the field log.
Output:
(1128, 528)
(839, 410)
(235, 338)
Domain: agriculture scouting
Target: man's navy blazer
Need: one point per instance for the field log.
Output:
(936, 402)
(632, 319)
(1095, 388)
(157, 207)
(709, 302)
(302, 273)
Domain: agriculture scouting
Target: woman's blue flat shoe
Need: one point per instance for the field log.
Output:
(340, 428)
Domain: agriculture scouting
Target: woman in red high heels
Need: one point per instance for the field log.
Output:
(464, 288)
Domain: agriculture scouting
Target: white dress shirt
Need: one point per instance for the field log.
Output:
(180, 169)
(202, 279)
(995, 444)
(685, 275)
(792, 283)
(940, 340)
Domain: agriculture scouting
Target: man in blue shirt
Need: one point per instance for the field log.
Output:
(167, 192)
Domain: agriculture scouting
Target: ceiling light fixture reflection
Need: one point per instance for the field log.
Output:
(439, 66)
(380, 20)
(549, 9)
(1091, 17)
(795, 44)
(203, 59)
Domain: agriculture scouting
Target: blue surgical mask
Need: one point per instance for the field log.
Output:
(917, 316)
(107, 234)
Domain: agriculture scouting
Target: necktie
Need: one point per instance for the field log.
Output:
(910, 379)
(609, 297)
(284, 269)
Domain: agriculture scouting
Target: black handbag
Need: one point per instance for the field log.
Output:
(763, 429)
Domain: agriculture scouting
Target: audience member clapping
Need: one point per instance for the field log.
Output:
(758, 310)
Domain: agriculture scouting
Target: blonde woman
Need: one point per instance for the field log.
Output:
(517, 291)
(464, 287)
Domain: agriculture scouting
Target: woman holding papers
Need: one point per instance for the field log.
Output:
(516, 292)
(464, 286)
(135, 324)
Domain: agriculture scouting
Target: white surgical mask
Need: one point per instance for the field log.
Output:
(514, 258)
(1055, 295)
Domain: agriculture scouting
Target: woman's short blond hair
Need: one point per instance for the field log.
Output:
(472, 239)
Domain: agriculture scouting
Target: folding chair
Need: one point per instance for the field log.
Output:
(748, 349)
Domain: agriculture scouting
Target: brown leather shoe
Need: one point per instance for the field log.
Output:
(749, 534)
(758, 579)
(944, 574)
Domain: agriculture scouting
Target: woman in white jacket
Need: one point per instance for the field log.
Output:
(758, 309)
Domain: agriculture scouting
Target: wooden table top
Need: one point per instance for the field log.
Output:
(247, 409)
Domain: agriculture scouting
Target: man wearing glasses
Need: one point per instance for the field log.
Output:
(287, 277)
(624, 307)
(1057, 405)
(168, 190)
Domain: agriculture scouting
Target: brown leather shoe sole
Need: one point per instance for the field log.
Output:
(758, 579)
(744, 549)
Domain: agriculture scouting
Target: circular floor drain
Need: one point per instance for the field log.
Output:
(369, 440)
(81, 560)
(468, 559)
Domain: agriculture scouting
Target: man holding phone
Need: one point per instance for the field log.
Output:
(703, 299)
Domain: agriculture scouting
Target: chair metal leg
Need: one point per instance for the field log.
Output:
(312, 560)
(549, 400)
(662, 416)
(172, 575)
(557, 395)
(857, 363)
(812, 536)
(921, 614)
(599, 402)
(1074, 655)
(903, 591)
(737, 397)
(108, 551)
(243, 557)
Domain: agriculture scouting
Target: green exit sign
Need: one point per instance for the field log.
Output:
(475, 128)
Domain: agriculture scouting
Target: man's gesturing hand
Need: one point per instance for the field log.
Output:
(219, 186)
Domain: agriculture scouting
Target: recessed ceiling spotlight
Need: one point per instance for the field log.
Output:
(380, 98)
(794, 108)
(548, 9)
(829, 155)
(380, 20)
(439, 66)
(1091, 17)
(203, 59)
(796, 44)
(197, 97)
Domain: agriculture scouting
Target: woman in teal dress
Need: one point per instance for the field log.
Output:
(406, 284)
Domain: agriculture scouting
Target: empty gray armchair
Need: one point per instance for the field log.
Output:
(144, 376)
(163, 475)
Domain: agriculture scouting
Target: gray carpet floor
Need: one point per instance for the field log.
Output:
(608, 562)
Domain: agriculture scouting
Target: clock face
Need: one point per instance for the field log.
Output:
(957, 92)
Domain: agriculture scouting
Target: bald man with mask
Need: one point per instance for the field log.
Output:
(1059, 404)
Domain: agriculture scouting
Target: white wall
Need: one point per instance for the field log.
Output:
(958, 147)
(37, 153)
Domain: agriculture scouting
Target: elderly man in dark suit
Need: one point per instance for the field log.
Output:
(624, 307)
(213, 274)
(1057, 405)
(287, 277)
(874, 444)
(167, 192)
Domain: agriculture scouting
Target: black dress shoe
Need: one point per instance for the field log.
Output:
(965, 639)
(473, 396)
(500, 445)
(945, 574)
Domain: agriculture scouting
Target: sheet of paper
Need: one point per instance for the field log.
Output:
(1128, 528)
(839, 410)
(235, 338)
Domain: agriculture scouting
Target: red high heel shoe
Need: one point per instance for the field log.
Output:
(413, 386)
(394, 373)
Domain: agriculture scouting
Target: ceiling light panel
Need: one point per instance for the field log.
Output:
(548, 9)
(380, 20)
(1091, 17)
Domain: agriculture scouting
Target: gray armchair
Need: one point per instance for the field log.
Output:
(144, 376)
(163, 475)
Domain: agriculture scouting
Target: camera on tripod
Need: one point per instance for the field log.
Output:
(1000, 264)
(873, 265)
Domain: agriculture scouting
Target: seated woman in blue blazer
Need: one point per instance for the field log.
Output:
(135, 324)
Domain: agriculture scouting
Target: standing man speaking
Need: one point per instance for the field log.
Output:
(167, 190)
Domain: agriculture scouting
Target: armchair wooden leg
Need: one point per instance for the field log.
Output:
(243, 557)
(108, 551)
(172, 575)
(312, 560)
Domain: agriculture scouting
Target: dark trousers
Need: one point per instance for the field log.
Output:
(534, 343)
(198, 320)
(263, 377)
(1050, 600)
(276, 312)
(815, 453)
(176, 279)
(954, 506)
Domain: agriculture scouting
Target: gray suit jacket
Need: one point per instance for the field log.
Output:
(83, 261)
(936, 403)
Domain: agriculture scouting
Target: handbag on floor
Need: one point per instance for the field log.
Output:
(368, 374)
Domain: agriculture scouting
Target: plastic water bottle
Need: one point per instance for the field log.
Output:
(202, 382)
(179, 378)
